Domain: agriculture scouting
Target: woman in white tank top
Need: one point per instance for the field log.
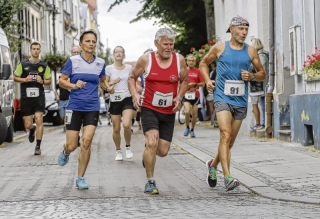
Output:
(117, 75)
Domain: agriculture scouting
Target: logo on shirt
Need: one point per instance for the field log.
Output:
(193, 75)
(40, 69)
(173, 78)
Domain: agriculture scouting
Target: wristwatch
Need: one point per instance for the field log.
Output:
(253, 78)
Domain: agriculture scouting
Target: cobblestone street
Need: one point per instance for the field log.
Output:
(36, 187)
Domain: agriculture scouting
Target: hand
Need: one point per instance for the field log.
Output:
(110, 89)
(136, 101)
(57, 98)
(117, 80)
(177, 104)
(210, 85)
(245, 75)
(28, 78)
(39, 79)
(80, 84)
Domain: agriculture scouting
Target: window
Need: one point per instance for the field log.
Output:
(295, 50)
(32, 27)
(37, 29)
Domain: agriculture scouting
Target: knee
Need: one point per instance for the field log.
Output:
(226, 136)
(126, 126)
(38, 119)
(86, 144)
(161, 152)
(116, 131)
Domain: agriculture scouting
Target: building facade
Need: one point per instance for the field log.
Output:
(290, 30)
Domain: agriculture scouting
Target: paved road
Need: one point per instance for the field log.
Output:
(36, 187)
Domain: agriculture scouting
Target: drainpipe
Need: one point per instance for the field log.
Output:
(269, 100)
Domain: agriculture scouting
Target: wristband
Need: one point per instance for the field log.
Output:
(180, 98)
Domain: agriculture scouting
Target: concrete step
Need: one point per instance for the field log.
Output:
(261, 133)
(285, 135)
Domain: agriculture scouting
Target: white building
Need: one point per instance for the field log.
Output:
(289, 30)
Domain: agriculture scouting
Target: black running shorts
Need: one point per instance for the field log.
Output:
(196, 101)
(74, 119)
(153, 120)
(116, 108)
(30, 105)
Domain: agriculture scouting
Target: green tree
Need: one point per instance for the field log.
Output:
(187, 18)
(107, 56)
(9, 22)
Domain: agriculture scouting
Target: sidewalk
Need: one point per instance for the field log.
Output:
(270, 168)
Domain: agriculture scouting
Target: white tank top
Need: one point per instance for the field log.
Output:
(124, 74)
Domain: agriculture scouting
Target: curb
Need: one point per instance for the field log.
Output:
(251, 183)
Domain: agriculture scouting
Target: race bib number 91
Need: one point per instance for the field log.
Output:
(234, 88)
(162, 100)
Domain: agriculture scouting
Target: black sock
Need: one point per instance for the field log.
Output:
(38, 143)
(188, 127)
(191, 129)
(127, 145)
(32, 130)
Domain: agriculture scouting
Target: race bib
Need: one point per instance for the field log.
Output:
(190, 95)
(117, 96)
(234, 88)
(32, 92)
(162, 100)
(68, 117)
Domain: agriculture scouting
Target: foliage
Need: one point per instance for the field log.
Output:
(187, 18)
(107, 56)
(311, 66)
(55, 61)
(9, 21)
(204, 49)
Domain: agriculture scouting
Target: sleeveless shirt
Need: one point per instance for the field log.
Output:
(229, 67)
(165, 81)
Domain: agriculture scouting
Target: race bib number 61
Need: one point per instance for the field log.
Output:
(162, 100)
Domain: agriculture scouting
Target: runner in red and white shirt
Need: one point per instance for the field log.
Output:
(192, 97)
(163, 72)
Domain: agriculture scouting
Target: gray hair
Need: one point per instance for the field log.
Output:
(165, 31)
(256, 43)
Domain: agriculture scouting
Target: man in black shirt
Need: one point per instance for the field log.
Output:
(62, 97)
(33, 74)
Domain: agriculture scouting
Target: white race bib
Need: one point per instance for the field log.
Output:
(234, 88)
(190, 95)
(162, 100)
(117, 96)
(32, 92)
(68, 117)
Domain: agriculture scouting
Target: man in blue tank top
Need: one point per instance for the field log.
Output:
(230, 92)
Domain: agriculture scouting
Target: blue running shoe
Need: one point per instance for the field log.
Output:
(151, 188)
(81, 184)
(186, 132)
(192, 134)
(63, 158)
(211, 174)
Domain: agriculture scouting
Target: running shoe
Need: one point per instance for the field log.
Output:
(186, 132)
(192, 134)
(118, 155)
(151, 188)
(32, 134)
(231, 183)
(212, 174)
(129, 153)
(37, 150)
(81, 184)
(256, 127)
(63, 158)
